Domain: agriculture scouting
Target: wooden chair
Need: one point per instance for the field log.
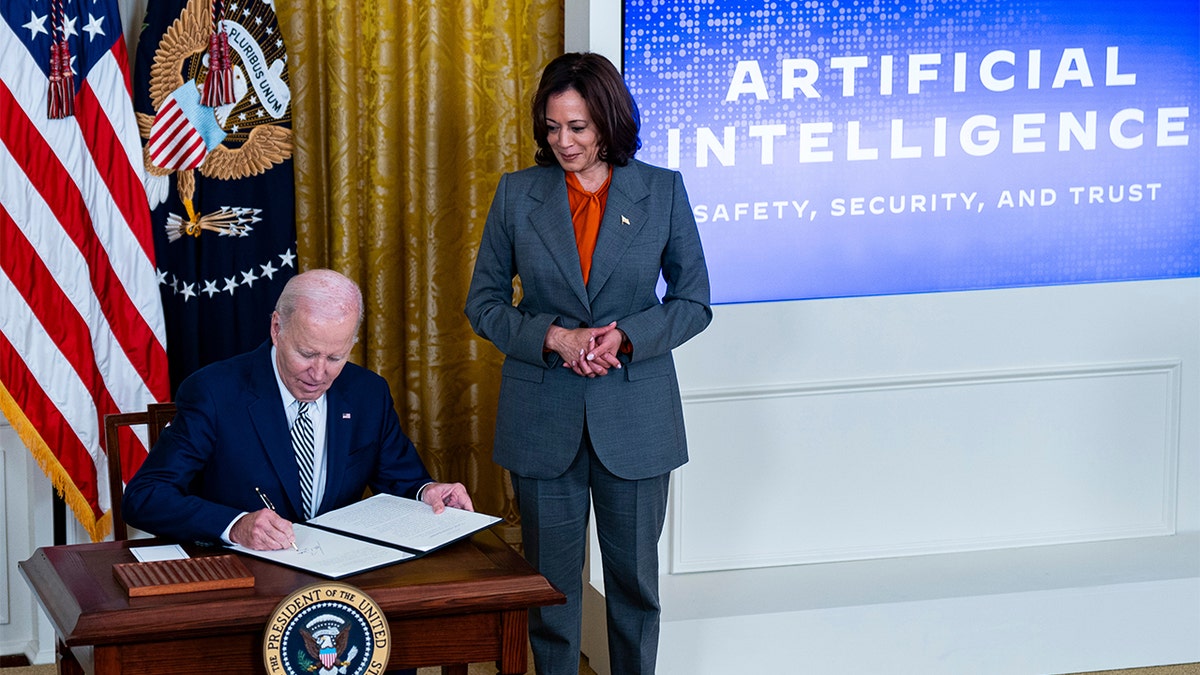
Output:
(155, 417)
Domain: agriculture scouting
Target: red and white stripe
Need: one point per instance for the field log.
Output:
(175, 143)
(81, 322)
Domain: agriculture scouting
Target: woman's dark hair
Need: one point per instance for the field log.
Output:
(608, 100)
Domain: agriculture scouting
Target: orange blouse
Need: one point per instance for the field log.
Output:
(587, 210)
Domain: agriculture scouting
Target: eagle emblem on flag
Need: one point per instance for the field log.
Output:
(244, 135)
(214, 113)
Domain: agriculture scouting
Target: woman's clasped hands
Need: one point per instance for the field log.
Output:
(590, 352)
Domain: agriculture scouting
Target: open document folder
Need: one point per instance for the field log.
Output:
(375, 532)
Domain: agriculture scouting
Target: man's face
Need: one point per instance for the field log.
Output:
(311, 352)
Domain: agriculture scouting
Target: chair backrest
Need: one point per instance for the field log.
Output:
(155, 417)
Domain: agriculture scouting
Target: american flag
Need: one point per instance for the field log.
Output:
(81, 321)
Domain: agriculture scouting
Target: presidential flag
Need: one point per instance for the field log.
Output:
(81, 323)
(214, 110)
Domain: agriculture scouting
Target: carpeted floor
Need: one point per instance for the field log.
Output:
(473, 669)
(1182, 669)
(488, 669)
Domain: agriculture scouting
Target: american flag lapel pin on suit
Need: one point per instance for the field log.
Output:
(345, 416)
(624, 220)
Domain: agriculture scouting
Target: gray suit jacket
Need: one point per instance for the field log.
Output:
(633, 415)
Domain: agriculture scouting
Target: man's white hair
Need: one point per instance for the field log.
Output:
(323, 293)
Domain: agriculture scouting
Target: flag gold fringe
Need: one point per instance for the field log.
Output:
(97, 529)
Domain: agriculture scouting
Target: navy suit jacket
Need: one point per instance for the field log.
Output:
(634, 416)
(230, 435)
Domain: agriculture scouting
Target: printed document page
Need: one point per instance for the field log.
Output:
(330, 554)
(402, 522)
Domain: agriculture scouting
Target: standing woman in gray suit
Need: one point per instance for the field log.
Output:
(589, 401)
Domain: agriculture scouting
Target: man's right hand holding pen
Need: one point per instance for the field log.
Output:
(263, 530)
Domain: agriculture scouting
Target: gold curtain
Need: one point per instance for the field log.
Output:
(405, 114)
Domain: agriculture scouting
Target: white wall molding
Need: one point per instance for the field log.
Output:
(927, 380)
(929, 463)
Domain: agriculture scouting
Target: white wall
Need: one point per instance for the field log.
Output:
(885, 426)
(27, 523)
(132, 13)
(990, 482)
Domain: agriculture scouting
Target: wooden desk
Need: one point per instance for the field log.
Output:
(467, 603)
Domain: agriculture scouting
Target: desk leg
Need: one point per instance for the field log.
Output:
(456, 669)
(67, 665)
(107, 661)
(84, 660)
(514, 643)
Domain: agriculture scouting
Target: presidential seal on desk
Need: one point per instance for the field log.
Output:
(327, 629)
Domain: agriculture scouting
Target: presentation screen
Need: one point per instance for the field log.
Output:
(841, 148)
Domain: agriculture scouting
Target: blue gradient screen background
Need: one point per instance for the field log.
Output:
(870, 188)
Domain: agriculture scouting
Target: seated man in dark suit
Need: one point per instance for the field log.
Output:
(229, 451)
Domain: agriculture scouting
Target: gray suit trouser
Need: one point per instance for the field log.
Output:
(629, 522)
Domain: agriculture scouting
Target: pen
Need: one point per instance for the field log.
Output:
(263, 496)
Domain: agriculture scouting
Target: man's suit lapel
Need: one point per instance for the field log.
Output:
(270, 423)
(551, 219)
(624, 217)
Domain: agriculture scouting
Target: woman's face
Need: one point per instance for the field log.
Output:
(572, 135)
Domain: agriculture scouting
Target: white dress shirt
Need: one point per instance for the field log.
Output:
(318, 413)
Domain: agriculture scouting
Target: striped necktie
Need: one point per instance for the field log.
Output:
(302, 441)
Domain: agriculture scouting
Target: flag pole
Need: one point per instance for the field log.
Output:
(60, 518)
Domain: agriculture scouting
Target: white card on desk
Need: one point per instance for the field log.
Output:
(152, 553)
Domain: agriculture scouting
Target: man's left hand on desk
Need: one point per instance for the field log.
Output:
(441, 495)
